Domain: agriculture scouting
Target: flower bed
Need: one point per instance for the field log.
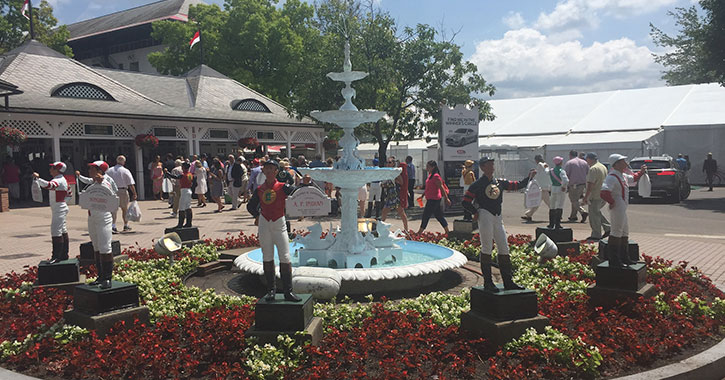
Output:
(200, 334)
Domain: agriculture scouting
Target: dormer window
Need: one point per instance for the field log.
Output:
(252, 105)
(82, 90)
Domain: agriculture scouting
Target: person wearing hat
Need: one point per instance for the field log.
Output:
(487, 191)
(100, 222)
(595, 178)
(58, 191)
(185, 180)
(710, 168)
(468, 177)
(268, 206)
(616, 192)
(542, 178)
(559, 182)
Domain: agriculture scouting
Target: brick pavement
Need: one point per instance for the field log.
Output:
(25, 240)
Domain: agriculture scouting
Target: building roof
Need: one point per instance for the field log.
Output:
(144, 14)
(611, 111)
(202, 94)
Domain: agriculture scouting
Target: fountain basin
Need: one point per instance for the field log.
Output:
(351, 178)
(422, 264)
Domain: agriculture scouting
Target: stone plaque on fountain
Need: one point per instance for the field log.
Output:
(308, 201)
(272, 318)
(502, 316)
(557, 235)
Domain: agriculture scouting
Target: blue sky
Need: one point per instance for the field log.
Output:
(524, 47)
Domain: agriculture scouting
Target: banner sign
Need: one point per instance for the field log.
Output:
(308, 201)
(459, 133)
(98, 198)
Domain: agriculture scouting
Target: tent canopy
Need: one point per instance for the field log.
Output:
(572, 140)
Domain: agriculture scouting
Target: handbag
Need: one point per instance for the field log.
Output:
(134, 212)
(532, 196)
(645, 186)
(36, 192)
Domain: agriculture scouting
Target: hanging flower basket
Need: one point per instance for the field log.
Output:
(12, 136)
(329, 144)
(248, 142)
(147, 141)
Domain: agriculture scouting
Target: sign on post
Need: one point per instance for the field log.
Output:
(98, 198)
(308, 201)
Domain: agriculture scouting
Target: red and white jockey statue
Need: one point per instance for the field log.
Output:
(58, 192)
(615, 191)
(100, 218)
(269, 201)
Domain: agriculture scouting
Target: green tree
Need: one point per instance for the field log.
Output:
(697, 53)
(413, 71)
(15, 28)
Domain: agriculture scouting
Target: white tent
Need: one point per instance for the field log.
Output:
(665, 120)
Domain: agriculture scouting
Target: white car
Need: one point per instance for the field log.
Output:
(461, 137)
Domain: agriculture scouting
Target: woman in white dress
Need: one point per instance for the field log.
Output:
(200, 190)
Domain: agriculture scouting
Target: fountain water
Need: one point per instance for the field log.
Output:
(361, 257)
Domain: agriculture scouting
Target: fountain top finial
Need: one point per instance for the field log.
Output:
(347, 66)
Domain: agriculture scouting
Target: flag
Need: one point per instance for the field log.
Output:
(194, 40)
(26, 9)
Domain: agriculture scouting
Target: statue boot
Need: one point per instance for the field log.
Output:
(624, 251)
(285, 271)
(182, 215)
(557, 218)
(552, 223)
(270, 278)
(66, 247)
(107, 270)
(504, 265)
(97, 258)
(488, 284)
(56, 254)
(189, 216)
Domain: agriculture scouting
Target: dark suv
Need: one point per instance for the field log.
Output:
(666, 178)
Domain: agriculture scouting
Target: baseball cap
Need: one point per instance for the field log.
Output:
(591, 156)
(613, 158)
(58, 165)
(468, 163)
(485, 159)
(102, 165)
(272, 162)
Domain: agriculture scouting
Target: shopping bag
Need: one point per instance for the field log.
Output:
(36, 192)
(167, 186)
(645, 186)
(134, 212)
(532, 197)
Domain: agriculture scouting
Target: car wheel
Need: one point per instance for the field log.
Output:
(686, 191)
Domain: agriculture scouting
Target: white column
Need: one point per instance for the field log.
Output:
(191, 132)
(288, 135)
(140, 188)
(55, 132)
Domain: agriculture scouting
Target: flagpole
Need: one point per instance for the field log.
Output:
(30, 10)
(201, 46)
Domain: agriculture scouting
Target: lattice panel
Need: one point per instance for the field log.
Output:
(231, 134)
(119, 130)
(181, 133)
(29, 127)
(304, 137)
(253, 133)
(82, 91)
(251, 105)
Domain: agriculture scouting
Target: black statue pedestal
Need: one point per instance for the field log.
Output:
(87, 256)
(463, 229)
(272, 318)
(189, 235)
(618, 284)
(632, 250)
(557, 235)
(568, 248)
(503, 316)
(64, 275)
(99, 309)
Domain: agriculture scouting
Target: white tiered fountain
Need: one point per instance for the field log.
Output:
(365, 263)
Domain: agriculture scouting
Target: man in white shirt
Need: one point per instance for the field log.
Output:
(125, 183)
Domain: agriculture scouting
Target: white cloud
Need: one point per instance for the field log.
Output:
(514, 20)
(526, 62)
(587, 14)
